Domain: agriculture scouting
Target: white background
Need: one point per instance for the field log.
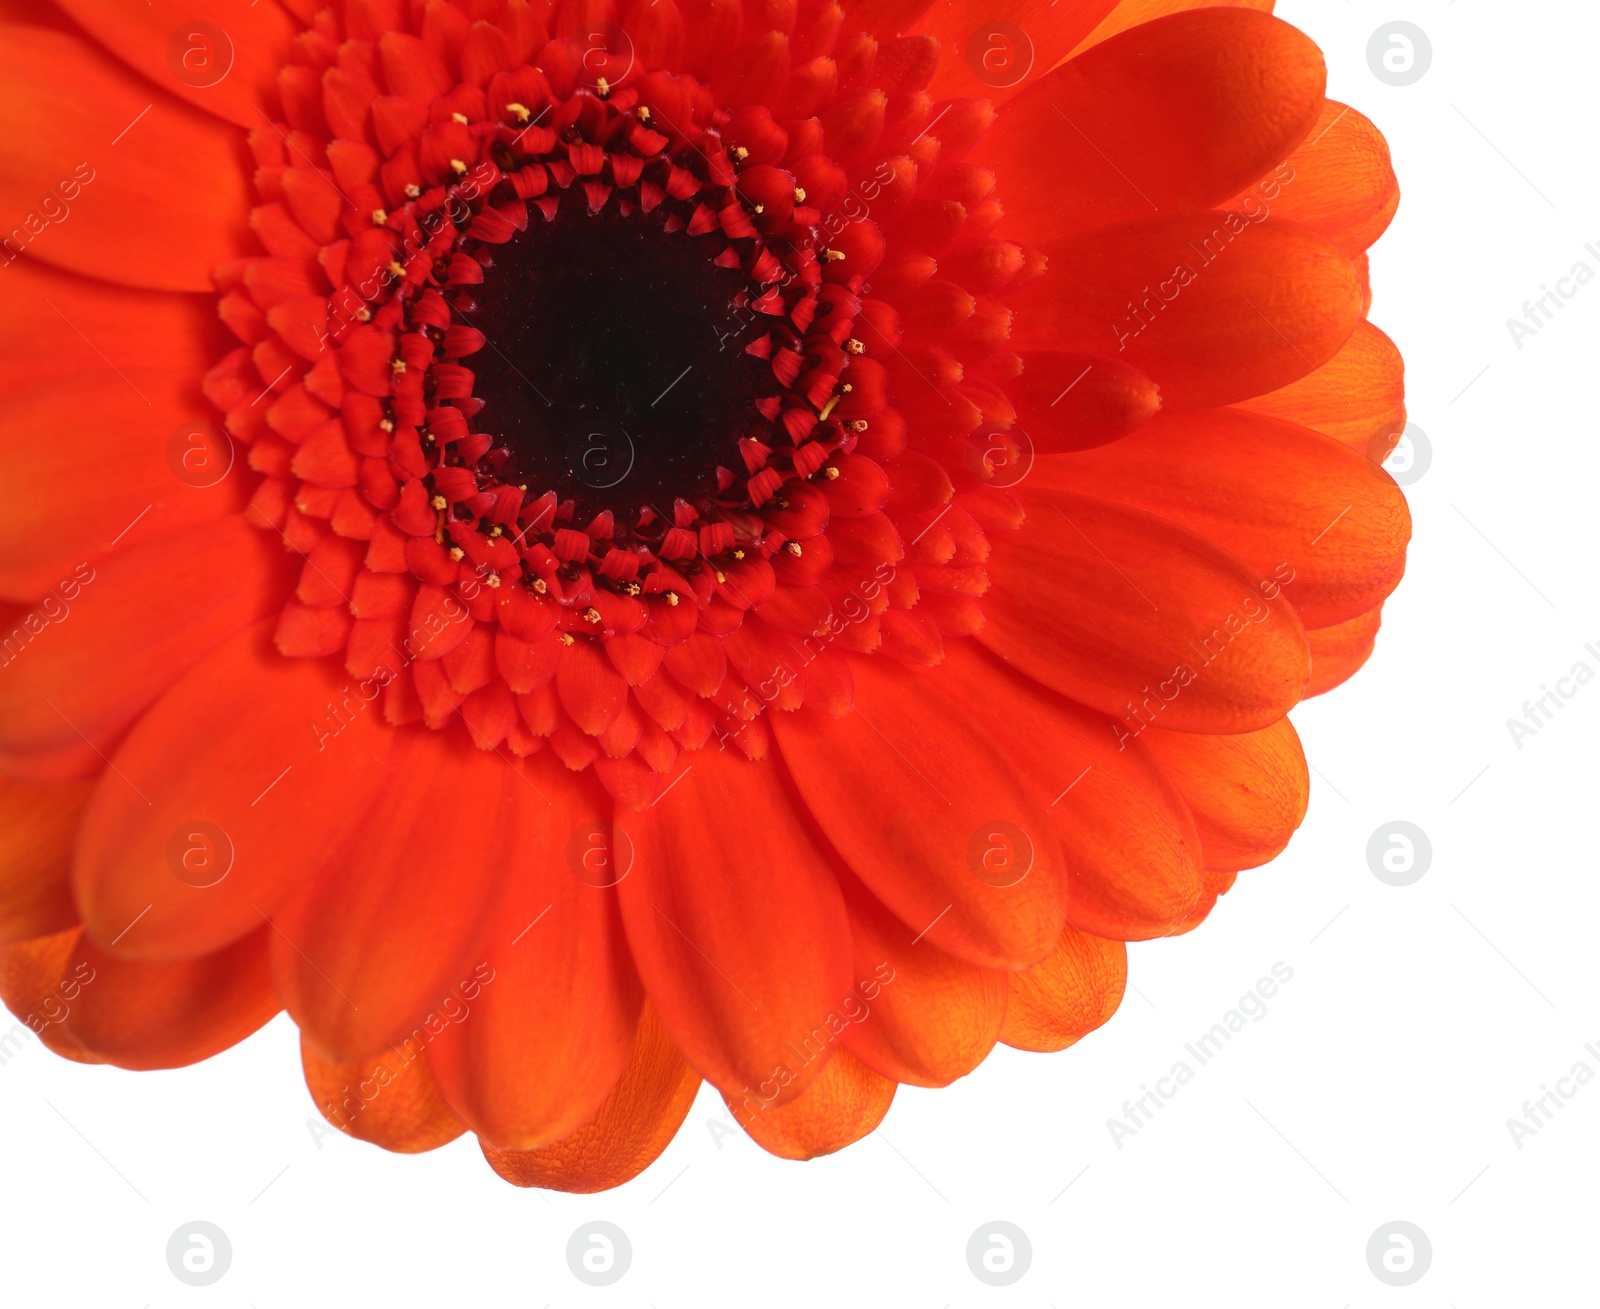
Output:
(1379, 1083)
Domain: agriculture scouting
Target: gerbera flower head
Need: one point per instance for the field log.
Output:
(583, 548)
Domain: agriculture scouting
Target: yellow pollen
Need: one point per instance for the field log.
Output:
(439, 502)
(520, 112)
(644, 113)
(794, 548)
(672, 599)
(860, 425)
(363, 315)
(456, 552)
(496, 530)
(567, 639)
(459, 118)
(833, 256)
(459, 166)
(632, 588)
(380, 217)
(855, 347)
(828, 408)
(493, 579)
(833, 473)
(427, 438)
(539, 585)
(761, 209)
(386, 424)
(603, 87)
(740, 153)
(847, 388)
(721, 576)
(398, 365)
(397, 268)
(412, 190)
(591, 615)
(799, 195)
(738, 554)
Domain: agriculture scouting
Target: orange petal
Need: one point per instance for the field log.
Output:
(639, 1118)
(78, 127)
(1070, 402)
(846, 1102)
(1217, 883)
(162, 606)
(1327, 523)
(38, 825)
(1357, 397)
(137, 1015)
(391, 1100)
(1141, 619)
(1214, 307)
(905, 787)
(36, 988)
(254, 758)
(1130, 13)
(552, 1033)
(737, 925)
(1338, 651)
(1247, 791)
(1339, 182)
(102, 480)
(55, 324)
(1132, 853)
(382, 938)
(227, 69)
(921, 1016)
(1175, 114)
(1065, 996)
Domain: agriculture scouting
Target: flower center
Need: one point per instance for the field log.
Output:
(613, 372)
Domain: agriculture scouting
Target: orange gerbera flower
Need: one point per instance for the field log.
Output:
(751, 540)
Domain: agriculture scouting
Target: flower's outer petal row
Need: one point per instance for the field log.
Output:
(1328, 522)
(1338, 652)
(391, 1099)
(1176, 114)
(37, 826)
(55, 324)
(920, 1016)
(279, 755)
(552, 1030)
(107, 458)
(1067, 994)
(168, 1015)
(1132, 853)
(1339, 182)
(163, 606)
(229, 77)
(845, 1102)
(1215, 307)
(637, 1121)
(31, 978)
(377, 939)
(1357, 397)
(1247, 792)
(182, 172)
(1142, 619)
(905, 788)
(743, 946)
